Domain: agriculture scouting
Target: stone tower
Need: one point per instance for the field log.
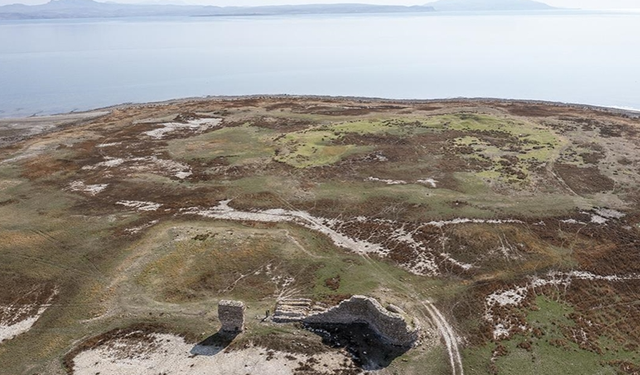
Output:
(231, 315)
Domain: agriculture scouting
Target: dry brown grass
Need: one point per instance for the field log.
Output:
(84, 242)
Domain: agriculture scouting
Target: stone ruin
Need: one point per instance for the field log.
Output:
(291, 310)
(392, 327)
(231, 316)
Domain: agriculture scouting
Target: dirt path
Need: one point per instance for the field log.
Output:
(299, 245)
(449, 337)
(551, 170)
(446, 331)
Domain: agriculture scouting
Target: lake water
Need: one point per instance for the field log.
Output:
(64, 65)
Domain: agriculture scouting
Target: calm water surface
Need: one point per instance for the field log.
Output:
(65, 65)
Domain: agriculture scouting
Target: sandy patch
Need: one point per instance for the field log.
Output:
(571, 221)
(464, 266)
(140, 205)
(89, 189)
(140, 228)
(429, 181)
(197, 125)
(144, 164)
(179, 170)
(597, 219)
(108, 163)
(17, 319)
(609, 213)
(102, 145)
(183, 175)
(459, 221)
(7, 332)
(388, 182)
(423, 264)
(603, 215)
(170, 355)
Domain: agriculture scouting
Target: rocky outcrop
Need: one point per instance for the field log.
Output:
(231, 315)
(392, 327)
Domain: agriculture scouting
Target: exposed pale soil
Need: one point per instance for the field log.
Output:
(24, 311)
(171, 355)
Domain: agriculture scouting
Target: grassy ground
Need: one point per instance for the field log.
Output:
(545, 350)
(116, 266)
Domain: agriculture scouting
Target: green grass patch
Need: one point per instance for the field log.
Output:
(228, 260)
(239, 145)
(311, 148)
(513, 149)
(548, 353)
(323, 145)
(549, 313)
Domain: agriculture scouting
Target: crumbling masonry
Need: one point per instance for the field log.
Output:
(231, 315)
(390, 326)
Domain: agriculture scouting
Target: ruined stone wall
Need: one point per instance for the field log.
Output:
(231, 315)
(392, 327)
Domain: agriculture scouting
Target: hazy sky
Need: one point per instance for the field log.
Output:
(585, 4)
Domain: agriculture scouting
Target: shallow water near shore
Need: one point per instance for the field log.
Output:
(56, 66)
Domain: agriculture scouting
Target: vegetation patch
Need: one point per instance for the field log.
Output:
(467, 207)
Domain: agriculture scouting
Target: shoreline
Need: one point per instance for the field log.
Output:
(14, 17)
(631, 112)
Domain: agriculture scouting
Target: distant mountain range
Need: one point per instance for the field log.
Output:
(488, 5)
(93, 9)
